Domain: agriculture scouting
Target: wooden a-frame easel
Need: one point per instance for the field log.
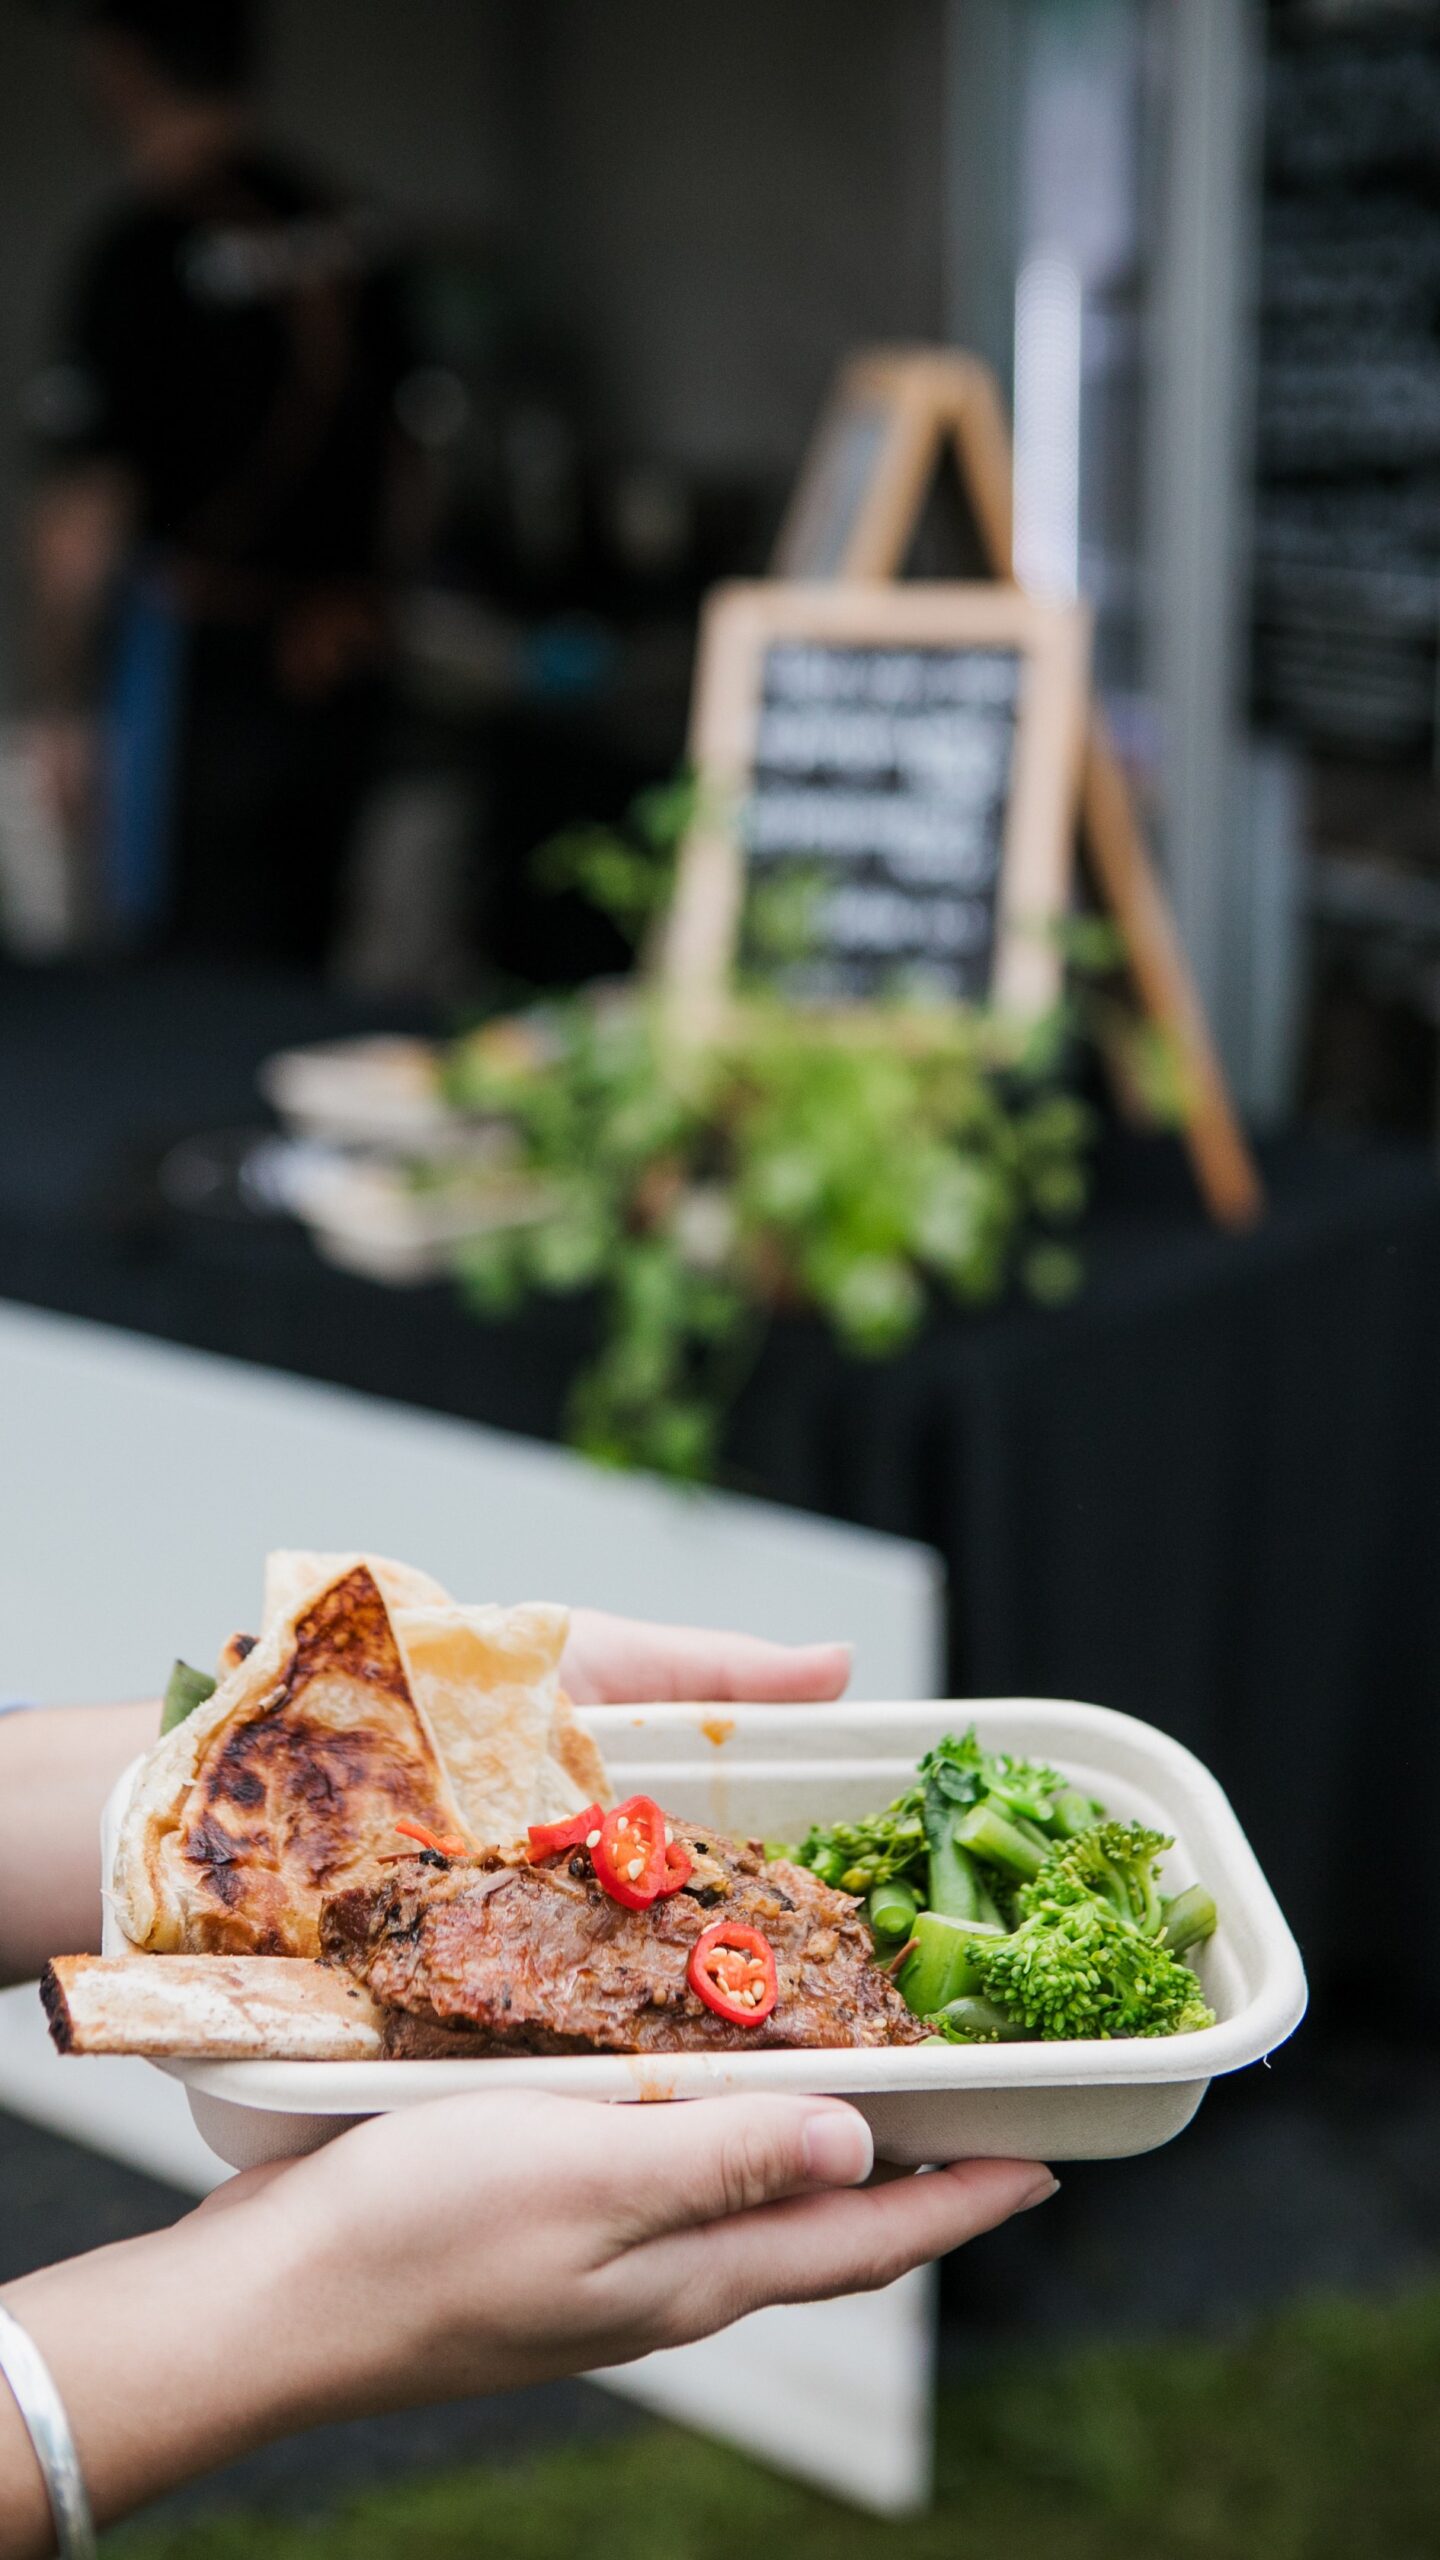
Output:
(893, 416)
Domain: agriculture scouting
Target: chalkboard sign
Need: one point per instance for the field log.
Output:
(888, 781)
(879, 793)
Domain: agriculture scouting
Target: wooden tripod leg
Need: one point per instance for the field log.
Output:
(1124, 874)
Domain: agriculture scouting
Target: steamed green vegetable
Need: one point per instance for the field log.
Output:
(891, 1910)
(1089, 1955)
(1189, 1917)
(975, 2021)
(1031, 1913)
(185, 1690)
(944, 1961)
(912, 1839)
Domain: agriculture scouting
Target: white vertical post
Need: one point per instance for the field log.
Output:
(1049, 306)
(1199, 447)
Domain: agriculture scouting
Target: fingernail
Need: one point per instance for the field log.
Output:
(839, 2149)
(1040, 2193)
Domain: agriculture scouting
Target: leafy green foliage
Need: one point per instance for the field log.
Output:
(1309, 2438)
(856, 1169)
(626, 871)
(865, 1167)
(964, 1771)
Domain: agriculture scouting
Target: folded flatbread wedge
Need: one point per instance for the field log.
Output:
(284, 1785)
(293, 1574)
(489, 1682)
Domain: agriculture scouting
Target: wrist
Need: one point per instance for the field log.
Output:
(348, 2323)
(168, 2353)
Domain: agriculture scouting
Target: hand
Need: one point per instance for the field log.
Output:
(471, 2244)
(631, 1662)
(480, 2243)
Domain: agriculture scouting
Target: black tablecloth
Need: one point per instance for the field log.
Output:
(1207, 1492)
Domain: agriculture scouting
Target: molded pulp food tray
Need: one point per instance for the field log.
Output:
(768, 1772)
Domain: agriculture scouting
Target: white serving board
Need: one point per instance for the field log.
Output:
(770, 1771)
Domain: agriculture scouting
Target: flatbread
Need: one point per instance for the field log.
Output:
(283, 1786)
(488, 1679)
(293, 1574)
(369, 1697)
(579, 1757)
(220, 2008)
(489, 1682)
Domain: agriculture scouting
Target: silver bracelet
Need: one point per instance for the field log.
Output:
(48, 2428)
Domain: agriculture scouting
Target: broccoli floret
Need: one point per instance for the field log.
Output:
(881, 1848)
(1090, 1954)
(1115, 1862)
(1076, 1968)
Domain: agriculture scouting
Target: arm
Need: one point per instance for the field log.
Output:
(473, 2244)
(57, 1766)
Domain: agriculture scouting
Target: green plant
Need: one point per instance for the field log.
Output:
(862, 1166)
(626, 871)
(861, 1169)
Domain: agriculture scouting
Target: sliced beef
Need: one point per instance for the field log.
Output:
(516, 1957)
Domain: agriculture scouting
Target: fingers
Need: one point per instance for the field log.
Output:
(627, 1661)
(699, 2163)
(811, 2247)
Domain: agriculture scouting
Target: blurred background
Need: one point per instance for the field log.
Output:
(384, 384)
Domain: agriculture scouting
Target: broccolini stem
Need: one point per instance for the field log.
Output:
(954, 1884)
(892, 1908)
(989, 1911)
(941, 1962)
(1071, 1813)
(982, 2020)
(990, 1835)
(1187, 1918)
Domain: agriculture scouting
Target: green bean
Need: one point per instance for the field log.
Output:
(954, 1886)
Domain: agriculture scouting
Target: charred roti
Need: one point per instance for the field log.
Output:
(288, 1781)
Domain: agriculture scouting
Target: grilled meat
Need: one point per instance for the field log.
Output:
(498, 1954)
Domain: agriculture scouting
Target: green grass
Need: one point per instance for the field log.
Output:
(1314, 2438)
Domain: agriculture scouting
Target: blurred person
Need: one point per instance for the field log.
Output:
(474, 2244)
(220, 477)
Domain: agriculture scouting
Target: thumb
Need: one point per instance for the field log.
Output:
(714, 2157)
